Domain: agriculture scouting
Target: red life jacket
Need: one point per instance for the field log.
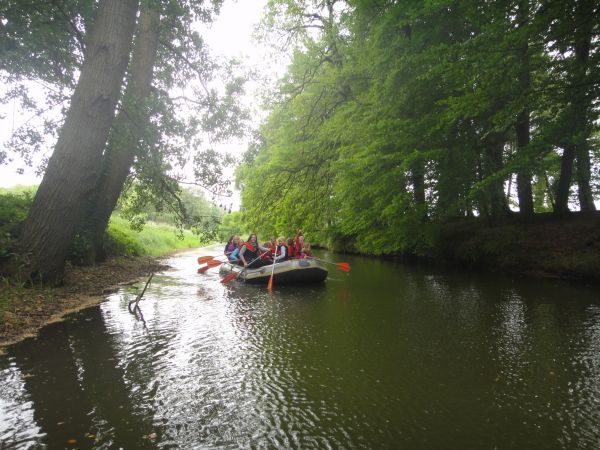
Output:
(251, 252)
(298, 245)
(291, 251)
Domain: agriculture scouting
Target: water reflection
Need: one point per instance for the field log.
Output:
(389, 356)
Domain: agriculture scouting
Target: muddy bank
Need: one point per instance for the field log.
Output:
(23, 311)
(544, 245)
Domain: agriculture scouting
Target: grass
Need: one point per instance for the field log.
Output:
(154, 240)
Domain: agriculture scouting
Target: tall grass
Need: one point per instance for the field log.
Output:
(154, 240)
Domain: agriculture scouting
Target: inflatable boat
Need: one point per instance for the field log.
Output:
(292, 271)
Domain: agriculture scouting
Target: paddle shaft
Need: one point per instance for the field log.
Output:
(344, 266)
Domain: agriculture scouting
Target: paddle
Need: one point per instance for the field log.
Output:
(233, 275)
(203, 259)
(209, 265)
(270, 284)
(343, 266)
(229, 277)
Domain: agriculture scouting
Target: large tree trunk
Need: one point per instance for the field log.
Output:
(561, 204)
(498, 206)
(577, 115)
(73, 170)
(129, 127)
(582, 157)
(524, 191)
(586, 197)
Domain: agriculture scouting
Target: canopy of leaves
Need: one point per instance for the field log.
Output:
(395, 116)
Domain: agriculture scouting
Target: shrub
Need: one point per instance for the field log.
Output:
(13, 211)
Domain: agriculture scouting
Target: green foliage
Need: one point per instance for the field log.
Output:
(44, 42)
(232, 224)
(186, 209)
(14, 206)
(154, 239)
(396, 117)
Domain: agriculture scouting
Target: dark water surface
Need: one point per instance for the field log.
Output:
(390, 356)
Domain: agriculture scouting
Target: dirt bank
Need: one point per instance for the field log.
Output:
(544, 245)
(24, 311)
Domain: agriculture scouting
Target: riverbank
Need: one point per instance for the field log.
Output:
(544, 245)
(23, 311)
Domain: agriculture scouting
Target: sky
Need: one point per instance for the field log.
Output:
(229, 36)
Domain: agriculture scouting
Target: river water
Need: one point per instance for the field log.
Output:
(387, 356)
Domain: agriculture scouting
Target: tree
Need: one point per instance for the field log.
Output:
(74, 168)
(129, 127)
(149, 135)
(575, 27)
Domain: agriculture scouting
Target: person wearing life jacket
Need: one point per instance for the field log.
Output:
(231, 245)
(291, 249)
(267, 256)
(280, 250)
(306, 250)
(251, 251)
(234, 254)
(273, 245)
(299, 243)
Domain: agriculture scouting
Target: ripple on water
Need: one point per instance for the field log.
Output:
(383, 358)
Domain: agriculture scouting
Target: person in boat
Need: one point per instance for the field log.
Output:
(250, 253)
(230, 246)
(267, 256)
(306, 250)
(280, 250)
(291, 249)
(233, 256)
(299, 242)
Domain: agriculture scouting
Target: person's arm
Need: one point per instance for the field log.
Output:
(242, 251)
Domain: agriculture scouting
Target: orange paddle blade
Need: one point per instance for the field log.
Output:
(214, 263)
(229, 277)
(270, 285)
(209, 265)
(343, 266)
(203, 259)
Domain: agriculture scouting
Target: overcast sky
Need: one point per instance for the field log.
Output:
(229, 36)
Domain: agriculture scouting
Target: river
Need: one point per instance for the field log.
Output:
(388, 356)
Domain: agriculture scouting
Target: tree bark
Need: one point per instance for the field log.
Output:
(522, 124)
(582, 156)
(129, 127)
(498, 206)
(586, 197)
(577, 116)
(73, 170)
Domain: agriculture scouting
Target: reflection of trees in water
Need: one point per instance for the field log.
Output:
(78, 387)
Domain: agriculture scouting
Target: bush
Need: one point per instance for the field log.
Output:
(119, 242)
(14, 206)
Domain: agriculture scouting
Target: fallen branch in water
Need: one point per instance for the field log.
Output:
(139, 297)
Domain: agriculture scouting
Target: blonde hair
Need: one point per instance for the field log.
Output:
(306, 249)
